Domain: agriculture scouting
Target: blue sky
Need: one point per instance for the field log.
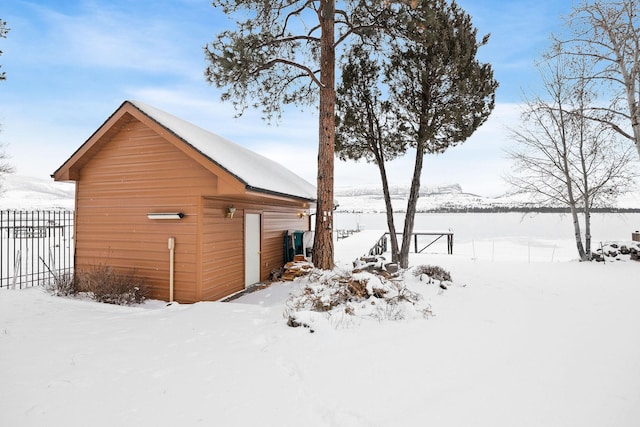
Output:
(71, 63)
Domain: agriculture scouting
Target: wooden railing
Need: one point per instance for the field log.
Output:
(381, 245)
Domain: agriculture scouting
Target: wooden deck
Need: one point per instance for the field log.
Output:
(356, 245)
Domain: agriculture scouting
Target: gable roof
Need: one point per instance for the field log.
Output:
(254, 171)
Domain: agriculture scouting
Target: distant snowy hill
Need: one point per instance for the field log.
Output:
(396, 190)
(30, 193)
(443, 197)
(371, 199)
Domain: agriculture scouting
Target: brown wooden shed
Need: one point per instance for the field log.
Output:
(146, 176)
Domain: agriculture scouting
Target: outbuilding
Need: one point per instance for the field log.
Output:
(182, 208)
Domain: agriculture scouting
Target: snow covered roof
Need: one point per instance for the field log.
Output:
(257, 172)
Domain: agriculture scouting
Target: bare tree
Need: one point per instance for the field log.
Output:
(607, 32)
(3, 34)
(5, 167)
(563, 157)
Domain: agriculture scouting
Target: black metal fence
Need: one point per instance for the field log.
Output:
(35, 246)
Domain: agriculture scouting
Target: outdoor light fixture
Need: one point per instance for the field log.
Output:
(165, 215)
(302, 214)
(230, 211)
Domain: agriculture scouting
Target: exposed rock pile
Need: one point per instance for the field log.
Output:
(618, 251)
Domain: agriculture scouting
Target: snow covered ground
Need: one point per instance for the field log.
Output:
(511, 343)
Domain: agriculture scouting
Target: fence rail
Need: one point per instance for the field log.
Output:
(35, 246)
(381, 245)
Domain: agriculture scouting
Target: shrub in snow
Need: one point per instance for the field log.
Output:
(341, 298)
(63, 284)
(109, 286)
(377, 265)
(429, 273)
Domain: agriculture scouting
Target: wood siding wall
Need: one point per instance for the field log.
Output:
(223, 242)
(138, 172)
(135, 173)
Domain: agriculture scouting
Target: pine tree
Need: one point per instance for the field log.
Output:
(437, 86)
(366, 126)
(283, 53)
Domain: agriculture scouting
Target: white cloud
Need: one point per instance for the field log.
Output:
(113, 36)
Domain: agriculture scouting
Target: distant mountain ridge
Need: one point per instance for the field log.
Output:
(396, 190)
(451, 198)
(31, 193)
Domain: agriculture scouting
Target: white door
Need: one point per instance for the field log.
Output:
(251, 249)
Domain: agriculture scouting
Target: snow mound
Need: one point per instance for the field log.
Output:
(342, 299)
(618, 251)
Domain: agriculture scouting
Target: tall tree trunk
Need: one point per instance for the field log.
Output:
(393, 236)
(323, 242)
(634, 110)
(585, 198)
(587, 232)
(577, 234)
(566, 170)
(573, 208)
(636, 132)
(414, 193)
